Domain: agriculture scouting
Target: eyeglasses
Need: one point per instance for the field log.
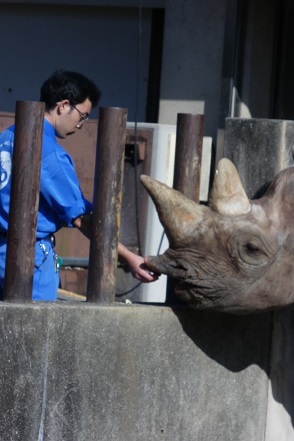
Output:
(84, 116)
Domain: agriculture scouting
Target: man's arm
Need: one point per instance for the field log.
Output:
(135, 263)
(83, 223)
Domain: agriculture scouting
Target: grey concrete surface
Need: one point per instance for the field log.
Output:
(192, 61)
(78, 372)
(260, 149)
(280, 414)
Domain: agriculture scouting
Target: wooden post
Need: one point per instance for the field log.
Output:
(107, 205)
(24, 201)
(187, 168)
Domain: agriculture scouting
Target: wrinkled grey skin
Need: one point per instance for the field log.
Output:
(235, 255)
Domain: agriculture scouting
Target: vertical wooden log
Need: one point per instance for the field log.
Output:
(24, 201)
(107, 205)
(187, 169)
(188, 155)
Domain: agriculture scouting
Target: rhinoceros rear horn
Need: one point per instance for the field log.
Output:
(178, 214)
(228, 196)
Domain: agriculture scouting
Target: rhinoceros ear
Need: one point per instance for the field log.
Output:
(178, 214)
(228, 196)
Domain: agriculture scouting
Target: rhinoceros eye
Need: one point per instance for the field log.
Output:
(250, 250)
(253, 253)
(253, 249)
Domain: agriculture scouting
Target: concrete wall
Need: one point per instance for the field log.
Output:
(101, 40)
(256, 60)
(78, 372)
(260, 149)
(213, 61)
(192, 61)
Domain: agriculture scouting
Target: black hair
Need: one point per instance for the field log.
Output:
(67, 85)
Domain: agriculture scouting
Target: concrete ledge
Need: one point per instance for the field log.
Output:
(129, 372)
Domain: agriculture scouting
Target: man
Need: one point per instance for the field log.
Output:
(69, 98)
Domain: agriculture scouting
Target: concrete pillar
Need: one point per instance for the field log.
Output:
(260, 149)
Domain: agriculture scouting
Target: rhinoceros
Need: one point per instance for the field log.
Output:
(235, 254)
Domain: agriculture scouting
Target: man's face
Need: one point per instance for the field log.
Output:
(70, 118)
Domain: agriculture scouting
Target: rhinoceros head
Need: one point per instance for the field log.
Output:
(235, 254)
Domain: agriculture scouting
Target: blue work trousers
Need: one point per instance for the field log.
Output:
(46, 272)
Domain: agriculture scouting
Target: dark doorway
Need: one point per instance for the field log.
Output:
(284, 90)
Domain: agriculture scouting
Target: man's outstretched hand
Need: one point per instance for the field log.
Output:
(137, 265)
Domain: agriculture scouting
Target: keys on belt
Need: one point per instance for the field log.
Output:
(57, 261)
(52, 240)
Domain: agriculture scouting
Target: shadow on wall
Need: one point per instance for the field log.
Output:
(239, 341)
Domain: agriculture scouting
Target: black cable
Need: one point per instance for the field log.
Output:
(136, 150)
(129, 291)
(160, 243)
(135, 144)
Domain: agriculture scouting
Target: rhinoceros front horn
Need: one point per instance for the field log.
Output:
(228, 196)
(178, 214)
